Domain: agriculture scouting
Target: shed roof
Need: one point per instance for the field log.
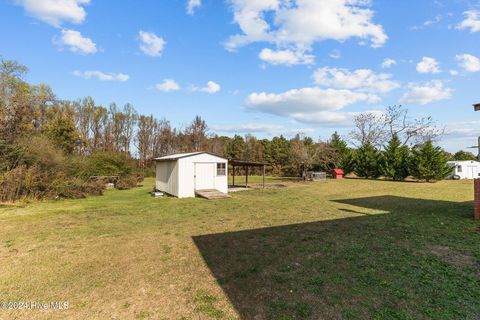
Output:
(463, 161)
(176, 156)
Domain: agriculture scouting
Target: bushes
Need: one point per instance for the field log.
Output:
(128, 182)
(102, 164)
(34, 168)
(425, 162)
(34, 183)
(108, 164)
(21, 182)
(75, 188)
(429, 163)
(38, 163)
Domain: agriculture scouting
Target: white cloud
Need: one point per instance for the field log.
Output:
(151, 44)
(308, 105)
(388, 63)
(55, 12)
(76, 42)
(249, 128)
(463, 132)
(192, 5)
(271, 129)
(471, 21)
(437, 19)
(468, 62)
(167, 85)
(453, 73)
(433, 21)
(298, 24)
(428, 65)
(335, 54)
(212, 87)
(285, 57)
(462, 135)
(426, 93)
(101, 76)
(362, 79)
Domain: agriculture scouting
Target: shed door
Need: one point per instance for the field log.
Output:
(472, 172)
(204, 176)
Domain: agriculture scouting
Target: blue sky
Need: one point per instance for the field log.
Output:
(265, 67)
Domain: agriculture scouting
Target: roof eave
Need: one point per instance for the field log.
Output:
(189, 155)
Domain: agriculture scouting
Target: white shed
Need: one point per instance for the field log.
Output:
(183, 174)
(465, 169)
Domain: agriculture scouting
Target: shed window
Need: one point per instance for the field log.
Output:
(221, 169)
(459, 168)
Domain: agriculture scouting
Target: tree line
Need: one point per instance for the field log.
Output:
(49, 146)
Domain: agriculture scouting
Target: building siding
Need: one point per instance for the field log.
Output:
(181, 182)
(167, 177)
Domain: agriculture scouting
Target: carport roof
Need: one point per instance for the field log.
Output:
(239, 163)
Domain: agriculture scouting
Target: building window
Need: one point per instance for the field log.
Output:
(221, 169)
(459, 168)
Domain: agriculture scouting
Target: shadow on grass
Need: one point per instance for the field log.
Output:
(372, 266)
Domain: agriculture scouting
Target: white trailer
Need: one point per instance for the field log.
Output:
(183, 174)
(467, 169)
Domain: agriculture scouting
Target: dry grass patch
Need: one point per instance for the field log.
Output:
(324, 250)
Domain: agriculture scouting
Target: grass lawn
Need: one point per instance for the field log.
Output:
(349, 249)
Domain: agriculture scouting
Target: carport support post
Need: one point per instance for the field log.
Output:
(233, 172)
(476, 183)
(246, 176)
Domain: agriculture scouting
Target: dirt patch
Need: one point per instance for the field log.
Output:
(454, 258)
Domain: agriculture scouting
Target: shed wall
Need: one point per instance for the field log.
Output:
(186, 169)
(168, 177)
(469, 170)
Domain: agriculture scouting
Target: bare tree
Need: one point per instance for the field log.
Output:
(143, 139)
(410, 130)
(84, 113)
(197, 133)
(377, 128)
(369, 128)
(117, 125)
(304, 152)
(97, 127)
(130, 121)
(164, 141)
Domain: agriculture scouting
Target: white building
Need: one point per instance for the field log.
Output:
(465, 169)
(183, 174)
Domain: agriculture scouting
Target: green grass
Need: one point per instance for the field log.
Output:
(350, 249)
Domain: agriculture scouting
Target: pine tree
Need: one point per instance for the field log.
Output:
(338, 143)
(429, 163)
(395, 164)
(235, 148)
(367, 161)
(343, 155)
(347, 162)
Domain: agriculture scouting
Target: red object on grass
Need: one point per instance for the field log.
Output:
(337, 173)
